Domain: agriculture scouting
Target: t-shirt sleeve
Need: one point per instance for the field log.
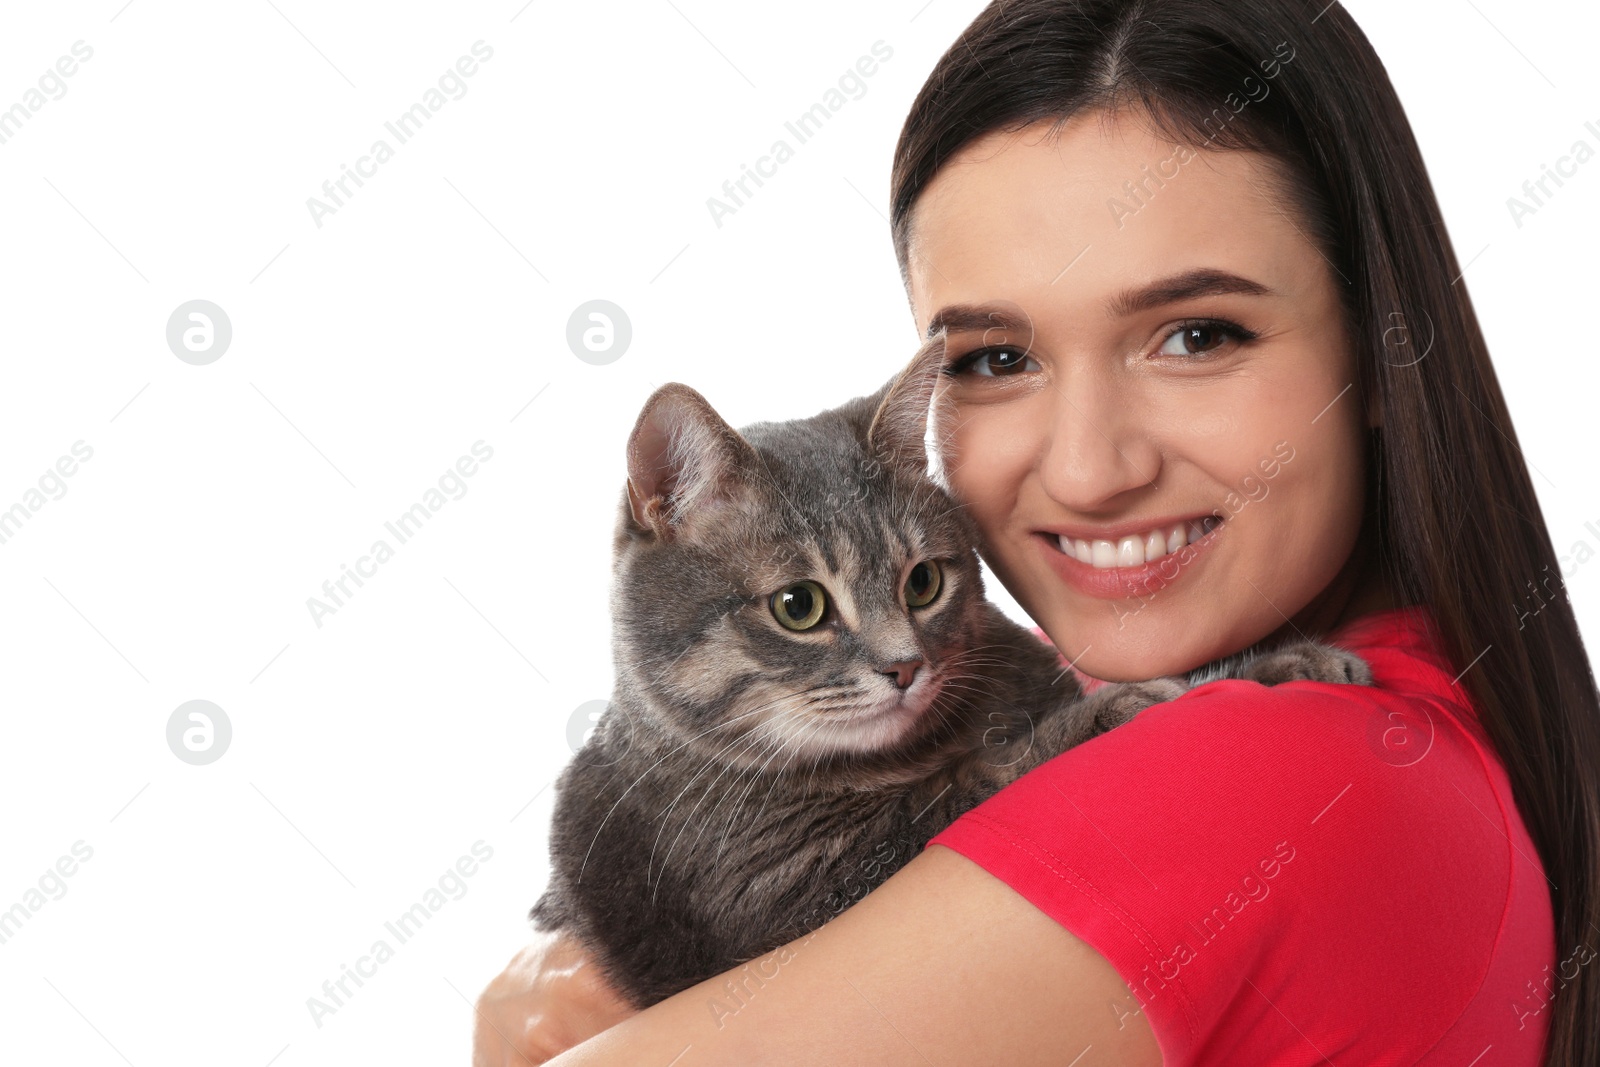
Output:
(1243, 853)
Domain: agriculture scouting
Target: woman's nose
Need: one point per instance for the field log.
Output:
(1098, 446)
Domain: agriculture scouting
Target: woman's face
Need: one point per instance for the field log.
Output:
(1151, 415)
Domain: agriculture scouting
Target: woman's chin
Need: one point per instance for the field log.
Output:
(1121, 654)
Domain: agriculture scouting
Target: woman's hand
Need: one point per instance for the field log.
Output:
(549, 998)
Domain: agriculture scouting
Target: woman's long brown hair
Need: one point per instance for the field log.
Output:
(1455, 520)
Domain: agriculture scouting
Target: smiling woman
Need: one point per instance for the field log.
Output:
(1300, 874)
(1088, 414)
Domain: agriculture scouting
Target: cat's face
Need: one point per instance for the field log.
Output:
(798, 590)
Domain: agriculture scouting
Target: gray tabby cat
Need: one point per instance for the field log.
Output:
(810, 686)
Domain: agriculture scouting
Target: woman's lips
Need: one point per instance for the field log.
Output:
(1121, 579)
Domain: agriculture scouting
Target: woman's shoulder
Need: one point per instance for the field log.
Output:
(1247, 745)
(1244, 829)
(1396, 779)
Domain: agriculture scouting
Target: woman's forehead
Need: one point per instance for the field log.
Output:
(1080, 217)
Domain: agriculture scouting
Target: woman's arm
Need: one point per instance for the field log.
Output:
(943, 963)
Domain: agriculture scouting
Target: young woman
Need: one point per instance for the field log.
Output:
(1211, 379)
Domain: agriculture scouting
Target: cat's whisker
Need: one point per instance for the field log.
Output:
(974, 664)
(776, 778)
(745, 739)
(955, 687)
(952, 509)
(787, 698)
(775, 741)
(669, 754)
(973, 650)
(757, 743)
(977, 660)
(811, 775)
(684, 824)
(755, 778)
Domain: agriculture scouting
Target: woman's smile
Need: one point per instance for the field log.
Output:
(1118, 547)
(1134, 565)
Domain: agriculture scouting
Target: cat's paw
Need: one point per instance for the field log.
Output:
(1118, 702)
(1308, 661)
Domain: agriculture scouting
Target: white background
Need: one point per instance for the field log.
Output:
(429, 312)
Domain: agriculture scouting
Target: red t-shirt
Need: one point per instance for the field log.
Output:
(1297, 874)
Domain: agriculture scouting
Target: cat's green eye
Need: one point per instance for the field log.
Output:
(922, 584)
(799, 606)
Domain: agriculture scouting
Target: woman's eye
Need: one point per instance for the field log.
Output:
(1202, 338)
(993, 363)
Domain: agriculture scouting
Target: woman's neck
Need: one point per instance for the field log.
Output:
(1359, 588)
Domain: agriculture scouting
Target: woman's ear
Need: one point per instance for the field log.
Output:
(686, 466)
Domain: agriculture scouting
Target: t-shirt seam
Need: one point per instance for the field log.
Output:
(1511, 875)
(1143, 937)
(1466, 724)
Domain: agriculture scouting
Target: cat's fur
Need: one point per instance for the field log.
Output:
(722, 807)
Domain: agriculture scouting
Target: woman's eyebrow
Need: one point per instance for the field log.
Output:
(1201, 281)
(954, 318)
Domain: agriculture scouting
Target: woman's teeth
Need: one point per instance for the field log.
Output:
(1135, 551)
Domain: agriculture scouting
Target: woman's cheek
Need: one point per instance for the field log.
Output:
(987, 456)
(1305, 510)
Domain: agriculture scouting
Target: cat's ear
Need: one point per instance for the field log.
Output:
(686, 466)
(901, 421)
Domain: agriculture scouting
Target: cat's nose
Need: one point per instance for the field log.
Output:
(903, 673)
